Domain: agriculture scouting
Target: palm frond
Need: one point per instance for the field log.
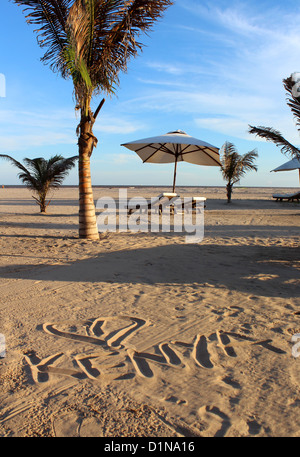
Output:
(134, 18)
(14, 162)
(80, 29)
(246, 163)
(234, 166)
(228, 149)
(247, 160)
(91, 40)
(275, 137)
(83, 87)
(41, 174)
(25, 175)
(50, 16)
(58, 168)
(104, 35)
(293, 101)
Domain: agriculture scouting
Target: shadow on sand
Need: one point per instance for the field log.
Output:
(257, 270)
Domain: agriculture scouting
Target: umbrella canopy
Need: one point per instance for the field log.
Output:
(175, 147)
(293, 164)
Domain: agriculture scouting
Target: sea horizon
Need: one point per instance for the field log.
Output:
(142, 186)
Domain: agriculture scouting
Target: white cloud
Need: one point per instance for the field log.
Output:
(21, 142)
(238, 128)
(241, 84)
(25, 129)
(166, 68)
(227, 126)
(198, 102)
(123, 158)
(239, 21)
(107, 124)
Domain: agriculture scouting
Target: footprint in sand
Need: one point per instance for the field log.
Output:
(246, 328)
(174, 399)
(231, 382)
(67, 424)
(253, 427)
(216, 422)
(231, 311)
(234, 311)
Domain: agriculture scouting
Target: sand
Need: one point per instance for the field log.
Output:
(143, 334)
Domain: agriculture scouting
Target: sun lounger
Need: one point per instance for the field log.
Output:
(288, 197)
(193, 204)
(157, 204)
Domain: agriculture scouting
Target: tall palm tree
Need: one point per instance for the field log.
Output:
(42, 175)
(90, 41)
(275, 136)
(234, 166)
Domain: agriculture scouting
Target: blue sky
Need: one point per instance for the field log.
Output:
(208, 68)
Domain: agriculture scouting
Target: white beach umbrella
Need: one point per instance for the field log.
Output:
(293, 164)
(175, 147)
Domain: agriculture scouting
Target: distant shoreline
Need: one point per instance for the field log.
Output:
(141, 186)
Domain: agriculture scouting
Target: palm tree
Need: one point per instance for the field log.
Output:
(42, 175)
(234, 166)
(275, 136)
(90, 41)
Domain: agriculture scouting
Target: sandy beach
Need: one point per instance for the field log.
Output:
(143, 334)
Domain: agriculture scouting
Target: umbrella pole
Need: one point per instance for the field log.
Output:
(175, 170)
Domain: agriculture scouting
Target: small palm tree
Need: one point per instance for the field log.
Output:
(275, 136)
(42, 175)
(235, 166)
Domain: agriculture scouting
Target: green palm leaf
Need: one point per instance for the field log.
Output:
(41, 175)
(273, 135)
(95, 37)
(293, 102)
(234, 166)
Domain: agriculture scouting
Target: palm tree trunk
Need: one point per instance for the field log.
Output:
(41, 201)
(87, 215)
(229, 192)
(43, 206)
